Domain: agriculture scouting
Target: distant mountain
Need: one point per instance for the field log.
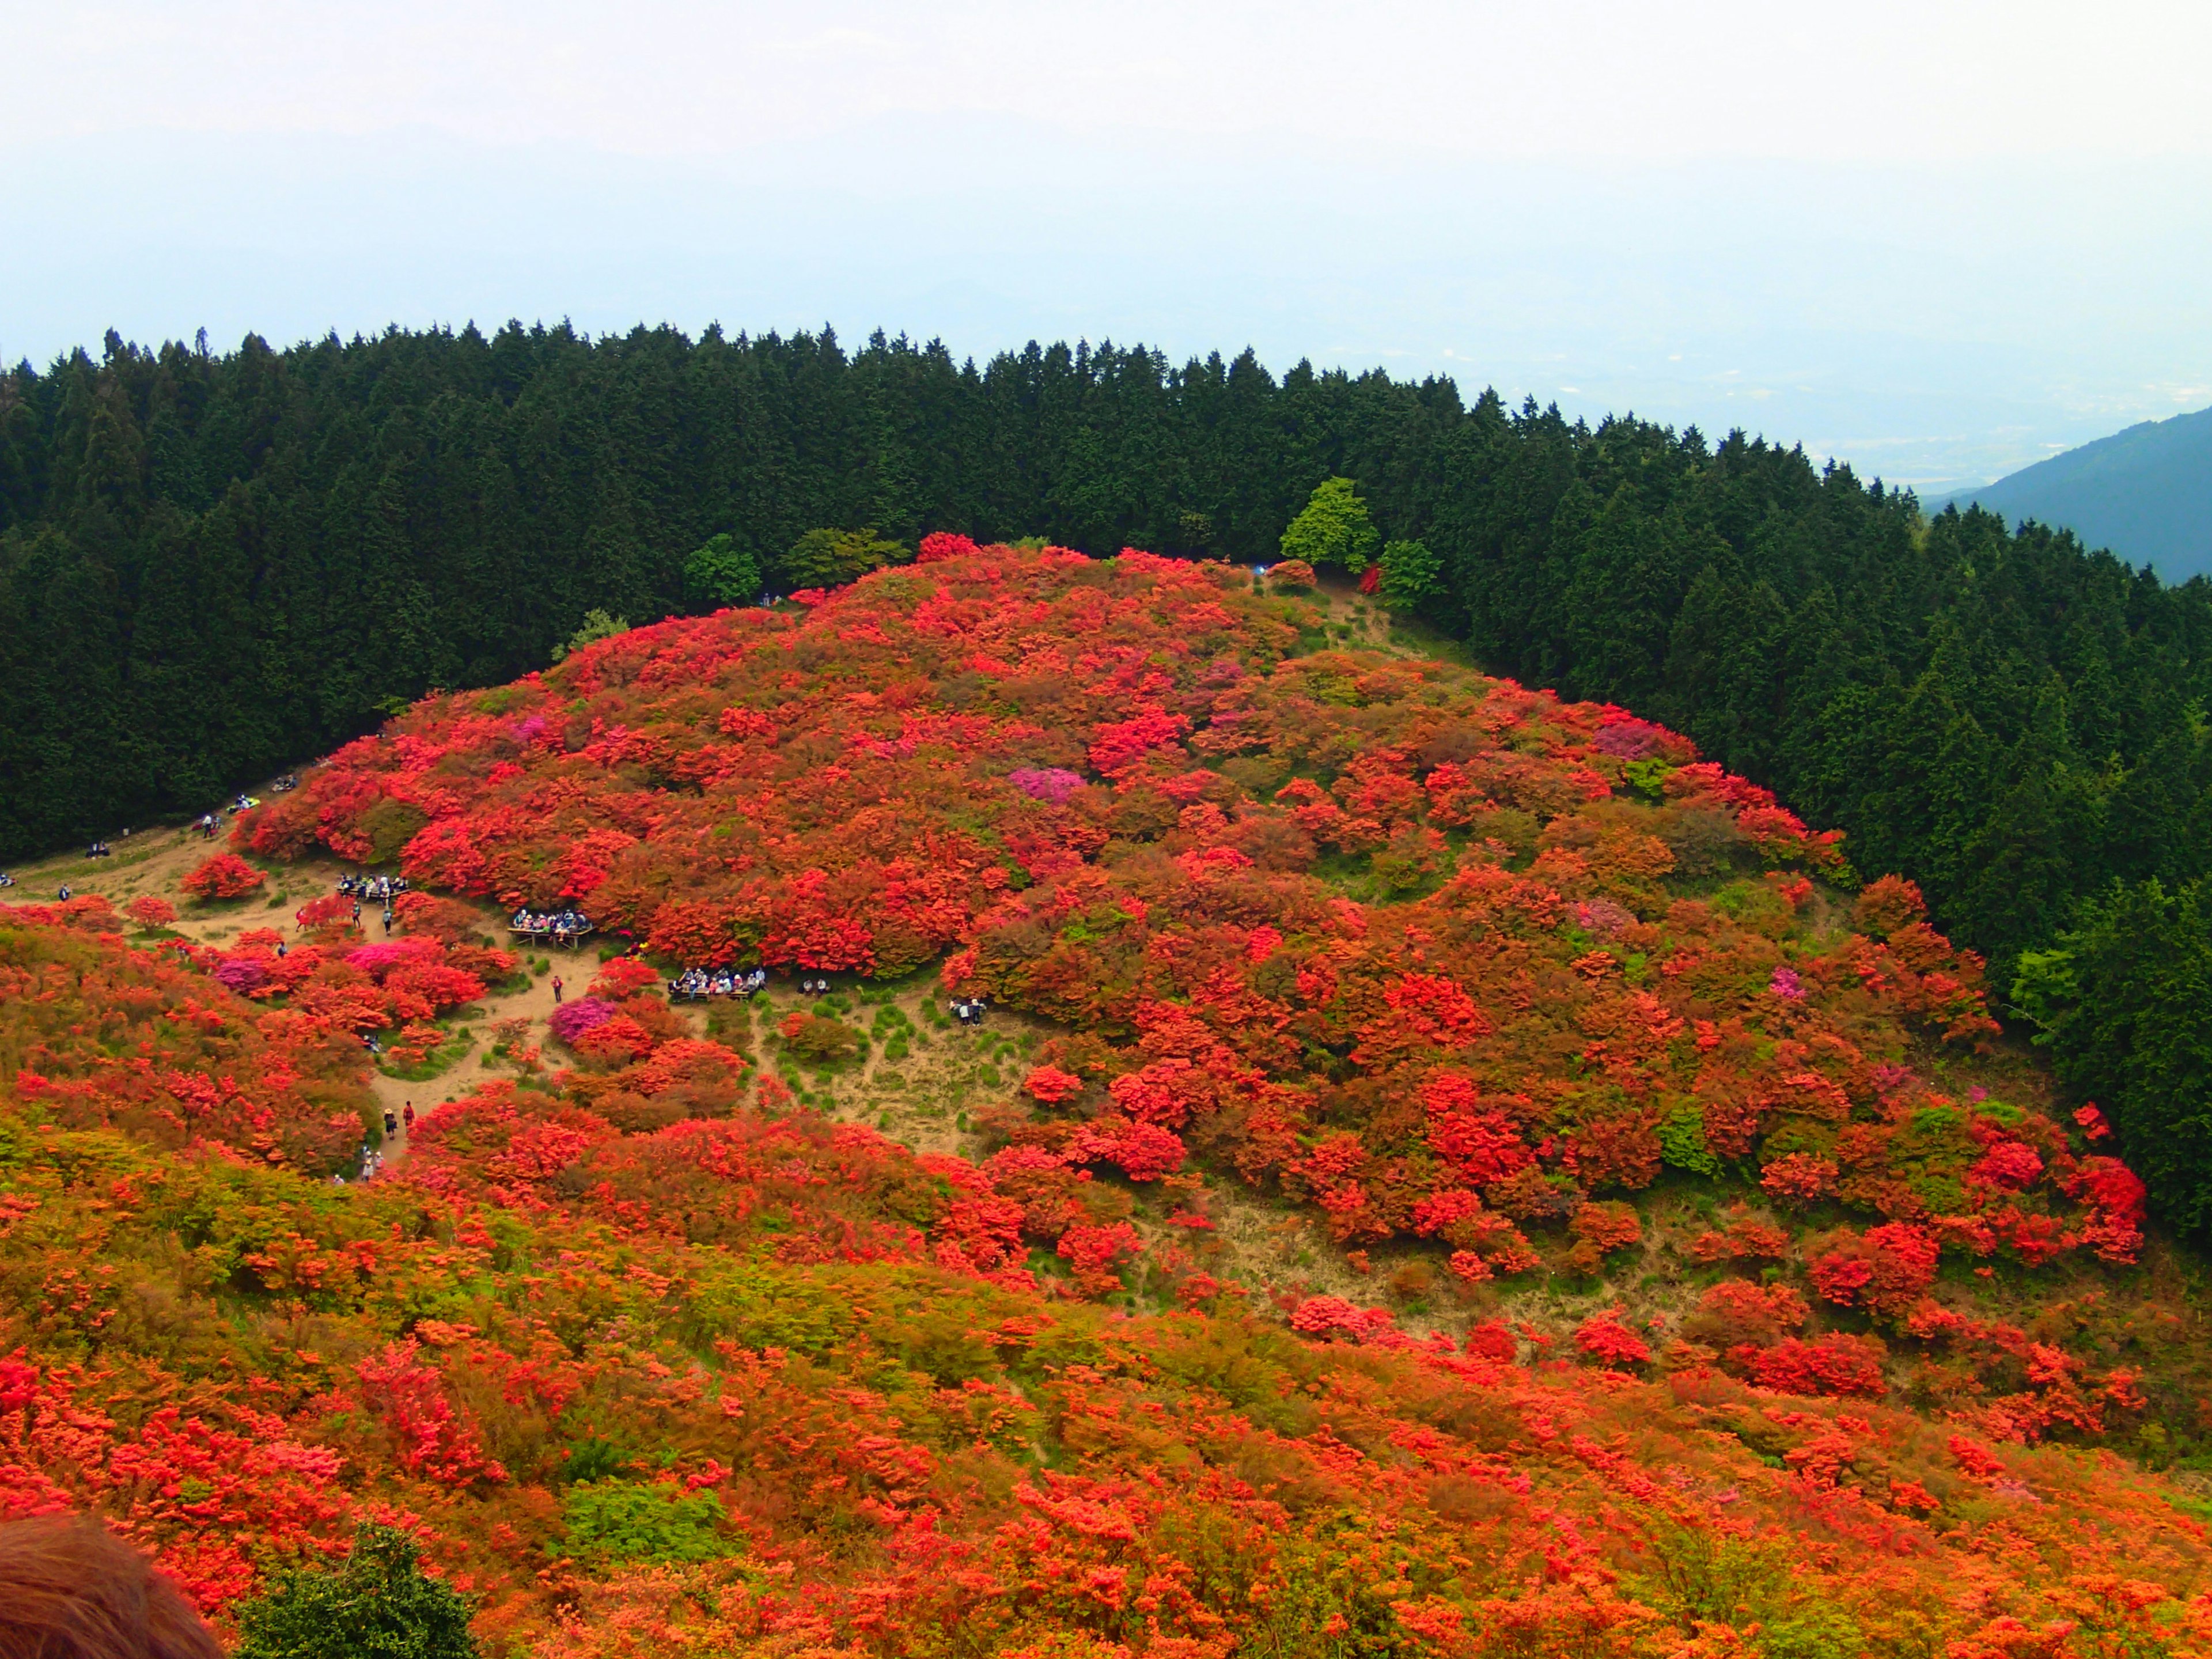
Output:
(2145, 493)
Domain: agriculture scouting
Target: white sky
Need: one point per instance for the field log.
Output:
(1943, 236)
(1642, 79)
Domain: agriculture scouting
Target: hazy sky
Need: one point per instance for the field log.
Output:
(1938, 240)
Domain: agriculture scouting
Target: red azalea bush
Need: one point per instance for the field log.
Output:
(1884, 1270)
(224, 875)
(1604, 1339)
(1836, 1364)
(150, 912)
(1052, 1086)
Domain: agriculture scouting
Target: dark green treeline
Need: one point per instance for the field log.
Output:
(210, 566)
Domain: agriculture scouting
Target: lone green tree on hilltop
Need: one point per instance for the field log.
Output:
(377, 1605)
(830, 558)
(598, 625)
(721, 574)
(1333, 530)
(1412, 575)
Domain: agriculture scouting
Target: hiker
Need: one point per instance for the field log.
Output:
(556, 990)
(283, 949)
(390, 1122)
(408, 1117)
(66, 892)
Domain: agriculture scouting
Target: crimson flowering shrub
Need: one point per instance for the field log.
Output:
(1052, 1086)
(1334, 1318)
(223, 875)
(149, 911)
(1799, 1177)
(1884, 1270)
(1836, 1364)
(1605, 1340)
(1599, 1228)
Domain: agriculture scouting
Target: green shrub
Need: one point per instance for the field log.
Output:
(1682, 1139)
(623, 1521)
(390, 825)
(823, 1042)
(377, 1605)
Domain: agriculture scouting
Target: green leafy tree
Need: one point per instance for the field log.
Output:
(830, 558)
(2123, 1002)
(1333, 530)
(377, 1605)
(598, 625)
(1412, 575)
(720, 574)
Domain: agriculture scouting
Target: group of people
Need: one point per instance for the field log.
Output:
(100, 849)
(372, 887)
(694, 984)
(561, 926)
(814, 987)
(969, 1010)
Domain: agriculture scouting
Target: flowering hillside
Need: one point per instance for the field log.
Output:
(1446, 959)
(783, 1420)
(1701, 1279)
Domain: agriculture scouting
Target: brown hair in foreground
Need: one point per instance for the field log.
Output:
(71, 1590)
